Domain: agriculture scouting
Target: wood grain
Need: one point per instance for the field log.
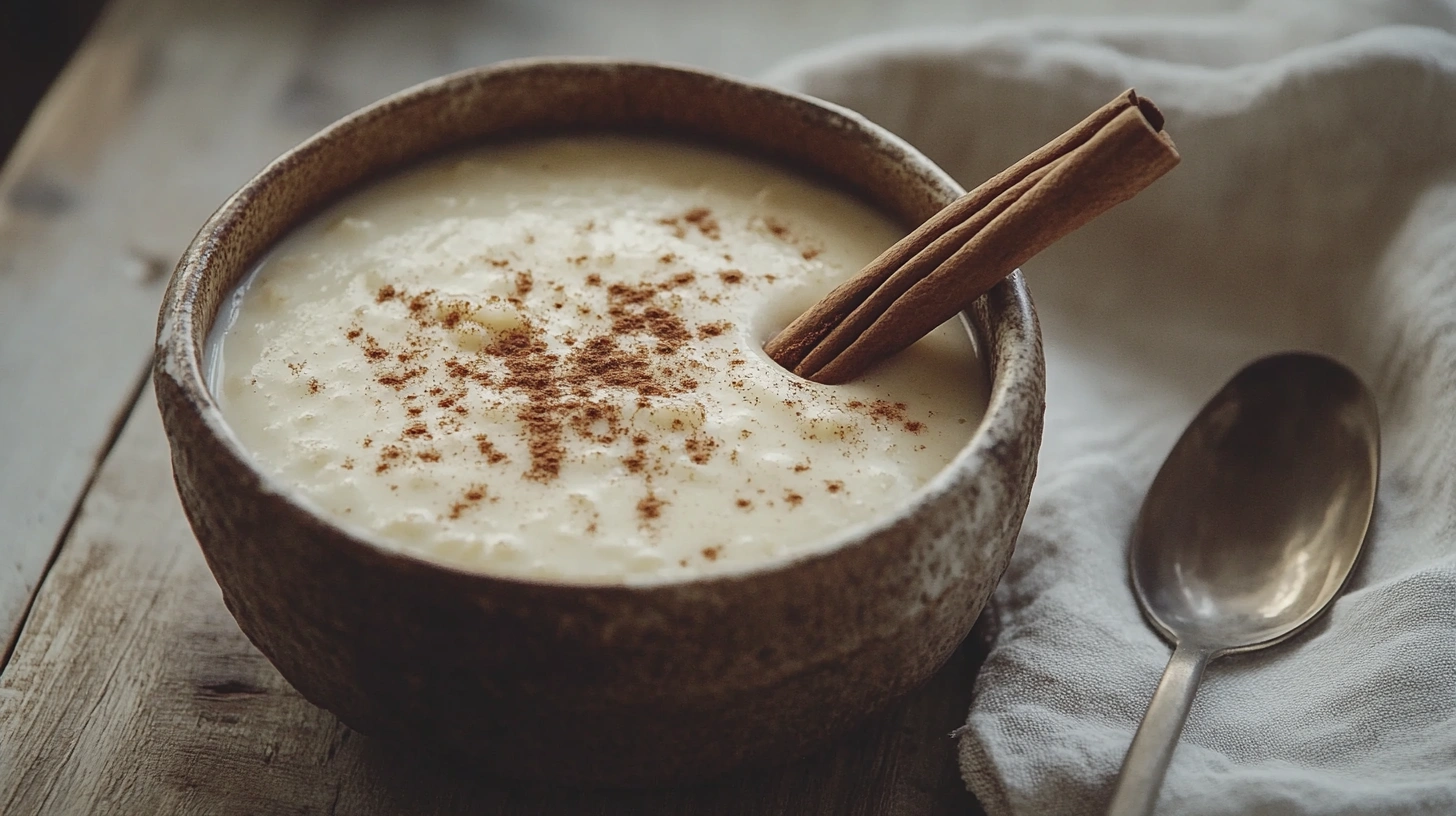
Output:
(132, 691)
(137, 142)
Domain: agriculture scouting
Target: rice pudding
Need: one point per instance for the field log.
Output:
(543, 359)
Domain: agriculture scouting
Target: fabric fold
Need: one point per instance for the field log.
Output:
(1315, 209)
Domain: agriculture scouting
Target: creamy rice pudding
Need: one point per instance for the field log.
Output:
(543, 359)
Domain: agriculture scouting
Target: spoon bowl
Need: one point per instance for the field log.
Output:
(1259, 512)
(1249, 530)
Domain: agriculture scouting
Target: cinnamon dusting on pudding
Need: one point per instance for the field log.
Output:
(598, 362)
(489, 451)
(702, 218)
(650, 507)
(578, 390)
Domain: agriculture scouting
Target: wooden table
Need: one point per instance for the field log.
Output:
(126, 686)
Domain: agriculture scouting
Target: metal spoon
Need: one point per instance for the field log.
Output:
(1248, 531)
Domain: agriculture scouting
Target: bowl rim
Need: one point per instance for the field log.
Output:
(180, 357)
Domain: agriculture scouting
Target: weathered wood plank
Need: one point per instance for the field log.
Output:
(137, 142)
(133, 691)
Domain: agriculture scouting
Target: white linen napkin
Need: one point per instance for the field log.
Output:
(1315, 208)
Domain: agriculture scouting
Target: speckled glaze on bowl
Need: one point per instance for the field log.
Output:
(597, 685)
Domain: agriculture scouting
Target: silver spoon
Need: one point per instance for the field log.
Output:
(1248, 531)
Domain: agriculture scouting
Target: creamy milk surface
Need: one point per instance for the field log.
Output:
(544, 360)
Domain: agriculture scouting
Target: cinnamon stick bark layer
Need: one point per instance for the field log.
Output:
(961, 252)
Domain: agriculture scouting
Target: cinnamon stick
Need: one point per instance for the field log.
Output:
(965, 249)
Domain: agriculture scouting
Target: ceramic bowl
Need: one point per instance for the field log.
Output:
(596, 685)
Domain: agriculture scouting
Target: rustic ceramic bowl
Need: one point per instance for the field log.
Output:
(604, 685)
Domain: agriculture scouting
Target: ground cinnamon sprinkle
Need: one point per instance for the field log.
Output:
(637, 462)
(884, 409)
(472, 496)
(601, 362)
(562, 393)
(453, 315)
(372, 350)
(650, 507)
(585, 388)
(399, 379)
(702, 218)
(388, 456)
(531, 368)
(699, 448)
(634, 310)
(488, 450)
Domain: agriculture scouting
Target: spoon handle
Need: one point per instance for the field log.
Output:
(1152, 747)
